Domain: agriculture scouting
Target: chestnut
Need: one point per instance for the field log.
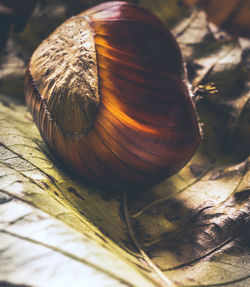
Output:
(107, 90)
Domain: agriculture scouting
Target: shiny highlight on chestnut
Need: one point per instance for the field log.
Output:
(108, 93)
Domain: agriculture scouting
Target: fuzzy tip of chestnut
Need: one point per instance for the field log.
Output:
(107, 90)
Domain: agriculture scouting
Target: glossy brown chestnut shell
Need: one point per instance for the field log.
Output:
(108, 92)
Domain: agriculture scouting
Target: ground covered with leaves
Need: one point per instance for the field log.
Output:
(190, 230)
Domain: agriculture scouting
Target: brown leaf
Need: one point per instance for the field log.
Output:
(232, 15)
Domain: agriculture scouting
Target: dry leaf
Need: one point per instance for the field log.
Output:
(233, 15)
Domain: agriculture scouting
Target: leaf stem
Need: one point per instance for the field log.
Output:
(164, 281)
